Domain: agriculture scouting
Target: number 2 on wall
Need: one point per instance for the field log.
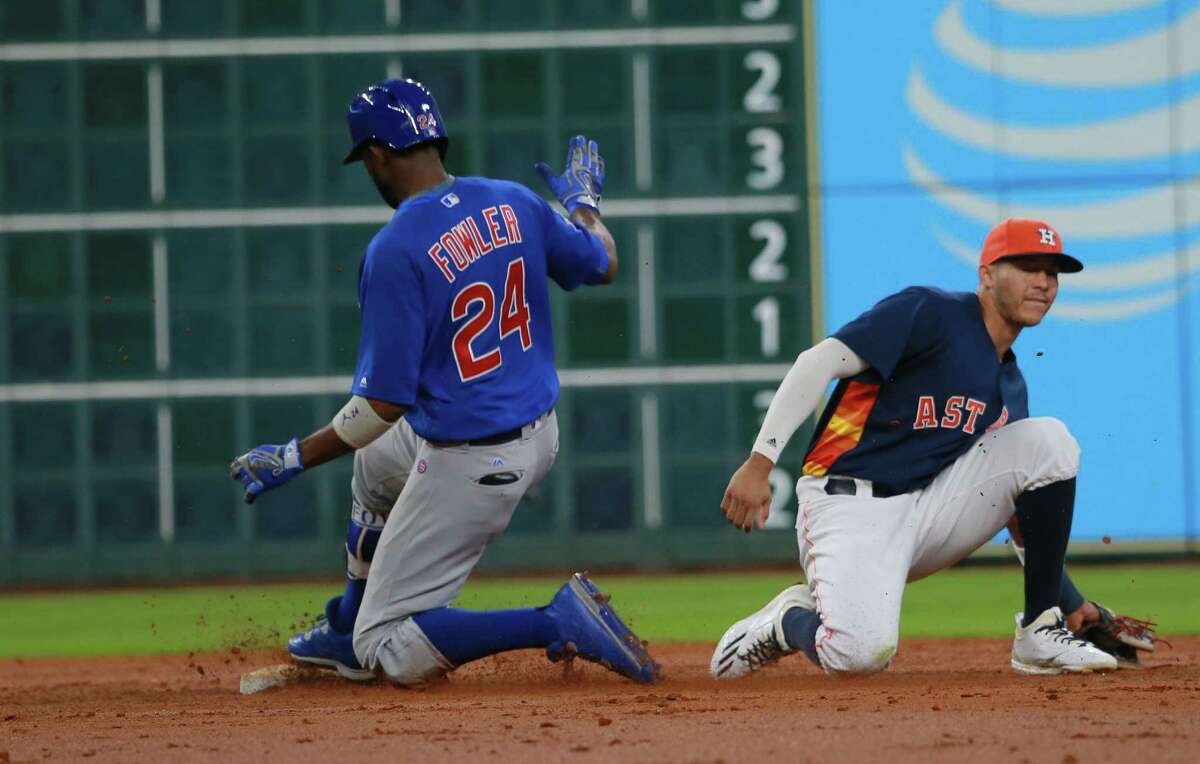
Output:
(514, 317)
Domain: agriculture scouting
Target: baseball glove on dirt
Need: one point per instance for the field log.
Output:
(1121, 636)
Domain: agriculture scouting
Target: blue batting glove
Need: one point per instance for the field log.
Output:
(583, 181)
(266, 467)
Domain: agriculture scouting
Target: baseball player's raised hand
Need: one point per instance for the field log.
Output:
(583, 181)
(747, 499)
(267, 466)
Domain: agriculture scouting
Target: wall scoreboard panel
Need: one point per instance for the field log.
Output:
(180, 247)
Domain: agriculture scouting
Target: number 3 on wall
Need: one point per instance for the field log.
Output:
(514, 317)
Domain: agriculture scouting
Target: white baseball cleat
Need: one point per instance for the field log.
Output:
(1046, 646)
(757, 640)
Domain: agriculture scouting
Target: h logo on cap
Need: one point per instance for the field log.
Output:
(1047, 236)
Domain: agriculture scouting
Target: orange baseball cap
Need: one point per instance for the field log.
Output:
(1017, 237)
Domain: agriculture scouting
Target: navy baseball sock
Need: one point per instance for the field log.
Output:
(800, 631)
(347, 610)
(466, 635)
(1069, 598)
(1044, 517)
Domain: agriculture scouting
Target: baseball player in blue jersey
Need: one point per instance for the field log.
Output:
(451, 418)
(923, 453)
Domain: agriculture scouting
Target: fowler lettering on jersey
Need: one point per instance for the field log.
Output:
(466, 242)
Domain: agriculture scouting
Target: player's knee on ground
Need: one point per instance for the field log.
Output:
(847, 654)
(1053, 451)
(402, 652)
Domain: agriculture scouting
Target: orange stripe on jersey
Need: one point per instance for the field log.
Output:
(844, 429)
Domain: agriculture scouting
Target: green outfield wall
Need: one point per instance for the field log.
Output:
(180, 248)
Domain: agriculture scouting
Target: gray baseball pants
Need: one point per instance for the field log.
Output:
(443, 505)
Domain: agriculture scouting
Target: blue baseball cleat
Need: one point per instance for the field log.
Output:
(590, 629)
(323, 646)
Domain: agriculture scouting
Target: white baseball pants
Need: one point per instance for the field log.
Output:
(858, 551)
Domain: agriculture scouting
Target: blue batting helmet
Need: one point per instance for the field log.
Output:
(396, 113)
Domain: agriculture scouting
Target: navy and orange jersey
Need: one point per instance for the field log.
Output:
(933, 388)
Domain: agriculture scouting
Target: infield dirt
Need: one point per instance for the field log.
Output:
(942, 700)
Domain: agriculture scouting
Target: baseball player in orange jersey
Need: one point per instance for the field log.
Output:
(923, 453)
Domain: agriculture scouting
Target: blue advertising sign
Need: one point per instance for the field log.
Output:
(939, 119)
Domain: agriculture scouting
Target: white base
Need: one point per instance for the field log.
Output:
(270, 676)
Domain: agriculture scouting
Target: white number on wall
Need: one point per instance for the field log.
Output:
(758, 10)
(781, 515)
(767, 158)
(761, 97)
(766, 313)
(766, 265)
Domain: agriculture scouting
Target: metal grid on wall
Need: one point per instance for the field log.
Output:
(181, 248)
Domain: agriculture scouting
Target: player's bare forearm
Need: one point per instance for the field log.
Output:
(325, 445)
(322, 446)
(590, 220)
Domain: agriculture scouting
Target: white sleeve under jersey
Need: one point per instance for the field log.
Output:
(801, 391)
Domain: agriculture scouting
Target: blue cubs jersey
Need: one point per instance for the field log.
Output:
(456, 308)
(934, 386)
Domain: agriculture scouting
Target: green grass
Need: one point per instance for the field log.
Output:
(666, 608)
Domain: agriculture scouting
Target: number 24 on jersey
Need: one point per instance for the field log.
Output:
(514, 317)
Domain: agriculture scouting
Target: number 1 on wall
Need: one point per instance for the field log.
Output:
(766, 313)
